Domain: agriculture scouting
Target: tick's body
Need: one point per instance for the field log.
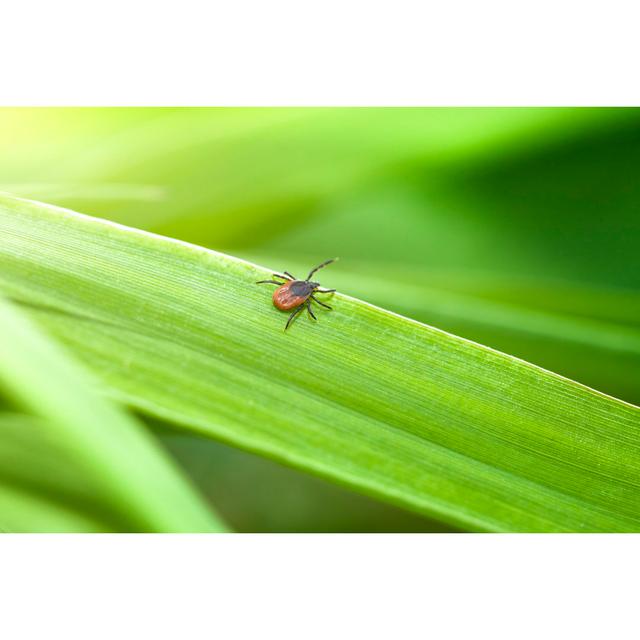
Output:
(297, 294)
(293, 293)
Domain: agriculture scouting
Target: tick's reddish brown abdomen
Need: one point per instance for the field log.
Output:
(291, 294)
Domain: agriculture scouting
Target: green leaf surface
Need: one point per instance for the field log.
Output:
(378, 402)
(42, 488)
(75, 454)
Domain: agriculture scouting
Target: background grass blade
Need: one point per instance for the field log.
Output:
(42, 487)
(229, 173)
(75, 442)
(383, 404)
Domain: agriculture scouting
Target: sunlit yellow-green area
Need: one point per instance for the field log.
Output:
(518, 229)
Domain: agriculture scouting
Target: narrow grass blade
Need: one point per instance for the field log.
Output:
(373, 400)
(118, 457)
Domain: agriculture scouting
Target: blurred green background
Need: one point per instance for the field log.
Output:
(516, 228)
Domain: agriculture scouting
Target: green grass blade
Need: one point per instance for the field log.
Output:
(42, 488)
(115, 453)
(373, 400)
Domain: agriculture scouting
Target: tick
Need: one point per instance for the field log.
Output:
(297, 294)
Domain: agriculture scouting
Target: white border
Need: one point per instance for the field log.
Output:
(319, 587)
(347, 52)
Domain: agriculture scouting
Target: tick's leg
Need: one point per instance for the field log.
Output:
(322, 304)
(293, 315)
(320, 266)
(309, 310)
(287, 277)
(290, 276)
(325, 290)
(269, 282)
